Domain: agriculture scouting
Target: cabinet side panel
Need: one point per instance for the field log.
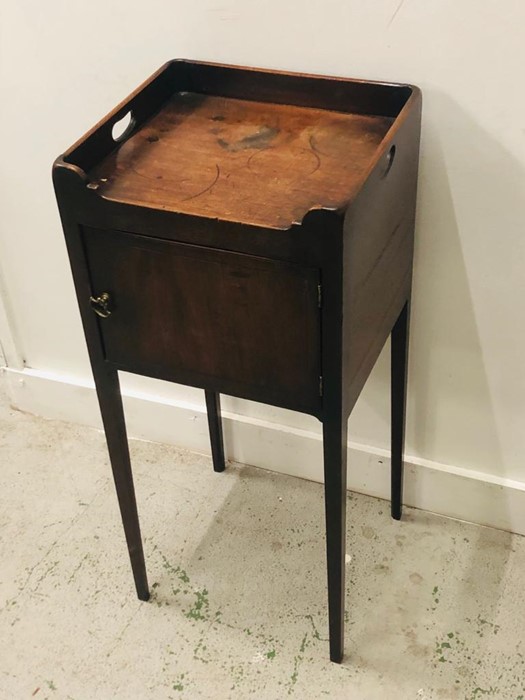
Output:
(378, 253)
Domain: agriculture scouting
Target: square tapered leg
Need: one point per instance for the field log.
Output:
(110, 401)
(213, 406)
(334, 445)
(399, 364)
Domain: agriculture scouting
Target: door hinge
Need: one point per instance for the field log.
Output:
(319, 296)
(320, 386)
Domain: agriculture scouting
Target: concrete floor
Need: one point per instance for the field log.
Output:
(236, 563)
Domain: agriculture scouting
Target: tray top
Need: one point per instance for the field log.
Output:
(256, 163)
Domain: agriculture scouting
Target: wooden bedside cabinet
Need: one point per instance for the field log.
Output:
(249, 233)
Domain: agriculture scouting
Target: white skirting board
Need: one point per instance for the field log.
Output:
(452, 491)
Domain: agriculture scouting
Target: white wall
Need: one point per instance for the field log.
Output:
(64, 64)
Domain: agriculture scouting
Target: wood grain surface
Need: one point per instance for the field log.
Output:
(239, 160)
(210, 315)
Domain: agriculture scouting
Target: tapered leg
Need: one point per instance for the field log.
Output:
(108, 391)
(398, 406)
(334, 446)
(213, 406)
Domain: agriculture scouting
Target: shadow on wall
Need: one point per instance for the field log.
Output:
(469, 207)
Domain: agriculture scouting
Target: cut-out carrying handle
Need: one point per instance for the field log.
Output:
(129, 115)
(389, 161)
(123, 127)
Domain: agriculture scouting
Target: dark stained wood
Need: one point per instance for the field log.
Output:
(108, 393)
(334, 450)
(305, 90)
(237, 160)
(254, 232)
(110, 402)
(378, 252)
(280, 87)
(399, 367)
(334, 426)
(213, 406)
(215, 314)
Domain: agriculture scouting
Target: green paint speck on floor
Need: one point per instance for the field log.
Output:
(199, 611)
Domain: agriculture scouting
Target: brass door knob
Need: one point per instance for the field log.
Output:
(101, 305)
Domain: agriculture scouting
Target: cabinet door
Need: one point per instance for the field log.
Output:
(240, 324)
